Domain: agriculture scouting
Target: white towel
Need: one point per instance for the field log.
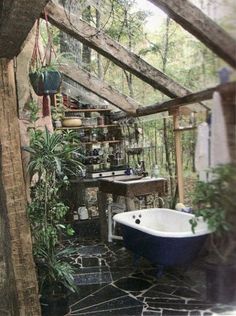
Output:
(202, 151)
(219, 145)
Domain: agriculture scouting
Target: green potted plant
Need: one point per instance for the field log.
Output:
(216, 203)
(52, 162)
(58, 114)
(44, 75)
(45, 80)
(56, 279)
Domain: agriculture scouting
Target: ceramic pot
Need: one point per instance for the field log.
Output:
(45, 83)
(83, 212)
(58, 124)
(72, 122)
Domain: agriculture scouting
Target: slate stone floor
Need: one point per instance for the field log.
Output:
(109, 284)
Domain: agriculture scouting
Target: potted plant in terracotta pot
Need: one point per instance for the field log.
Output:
(216, 202)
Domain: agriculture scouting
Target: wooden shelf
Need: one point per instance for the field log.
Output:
(88, 127)
(187, 128)
(101, 142)
(87, 110)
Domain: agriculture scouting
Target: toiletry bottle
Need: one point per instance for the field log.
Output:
(155, 171)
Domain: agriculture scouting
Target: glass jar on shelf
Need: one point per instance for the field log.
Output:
(94, 136)
(100, 120)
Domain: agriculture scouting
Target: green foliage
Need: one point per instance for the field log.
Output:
(58, 112)
(52, 161)
(52, 157)
(55, 273)
(216, 205)
(34, 110)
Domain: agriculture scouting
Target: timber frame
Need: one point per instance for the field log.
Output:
(106, 46)
(100, 88)
(17, 18)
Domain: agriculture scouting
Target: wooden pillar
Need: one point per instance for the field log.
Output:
(178, 152)
(13, 195)
(102, 204)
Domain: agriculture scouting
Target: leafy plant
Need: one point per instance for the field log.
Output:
(52, 157)
(58, 112)
(55, 273)
(217, 205)
(33, 111)
(52, 161)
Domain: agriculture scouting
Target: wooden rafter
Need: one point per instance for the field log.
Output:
(201, 26)
(188, 99)
(100, 88)
(17, 19)
(112, 50)
(81, 92)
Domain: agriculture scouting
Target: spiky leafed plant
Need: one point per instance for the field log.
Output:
(53, 159)
(52, 155)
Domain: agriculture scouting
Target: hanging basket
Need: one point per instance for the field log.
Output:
(45, 83)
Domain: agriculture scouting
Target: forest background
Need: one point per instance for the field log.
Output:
(148, 32)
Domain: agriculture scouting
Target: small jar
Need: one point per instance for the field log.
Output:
(94, 136)
(58, 124)
(100, 120)
(83, 212)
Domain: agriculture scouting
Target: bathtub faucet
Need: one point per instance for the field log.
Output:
(182, 208)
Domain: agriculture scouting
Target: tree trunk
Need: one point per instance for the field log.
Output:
(13, 206)
(111, 49)
(86, 51)
(99, 57)
(167, 154)
(165, 127)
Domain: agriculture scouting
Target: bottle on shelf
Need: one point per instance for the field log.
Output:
(100, 120)
(155, 171)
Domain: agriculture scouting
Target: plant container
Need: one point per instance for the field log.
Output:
(45, 83)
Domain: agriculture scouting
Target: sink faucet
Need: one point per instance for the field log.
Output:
(140, 170)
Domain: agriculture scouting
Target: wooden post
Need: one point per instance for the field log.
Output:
(13, 198)
(178, 152)
(102, 204)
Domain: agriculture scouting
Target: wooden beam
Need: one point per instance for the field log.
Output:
(12, 181)
(188, 99)
(201, 26)
(112, 50)
(178, 153)
(17, 20)
(100, 88)
(83, 94)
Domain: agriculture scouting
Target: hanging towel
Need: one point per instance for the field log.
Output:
(202, 151)
(219, 144)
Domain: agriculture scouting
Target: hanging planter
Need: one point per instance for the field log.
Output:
(45, 81)
(43, 74)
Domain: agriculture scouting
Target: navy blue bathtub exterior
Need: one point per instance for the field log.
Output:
(163, 251)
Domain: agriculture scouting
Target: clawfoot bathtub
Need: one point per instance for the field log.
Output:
(162, 236)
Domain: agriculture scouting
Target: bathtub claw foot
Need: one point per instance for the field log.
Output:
(160, 271)
(136, 260)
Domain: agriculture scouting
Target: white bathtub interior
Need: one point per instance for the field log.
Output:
(162, 222)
